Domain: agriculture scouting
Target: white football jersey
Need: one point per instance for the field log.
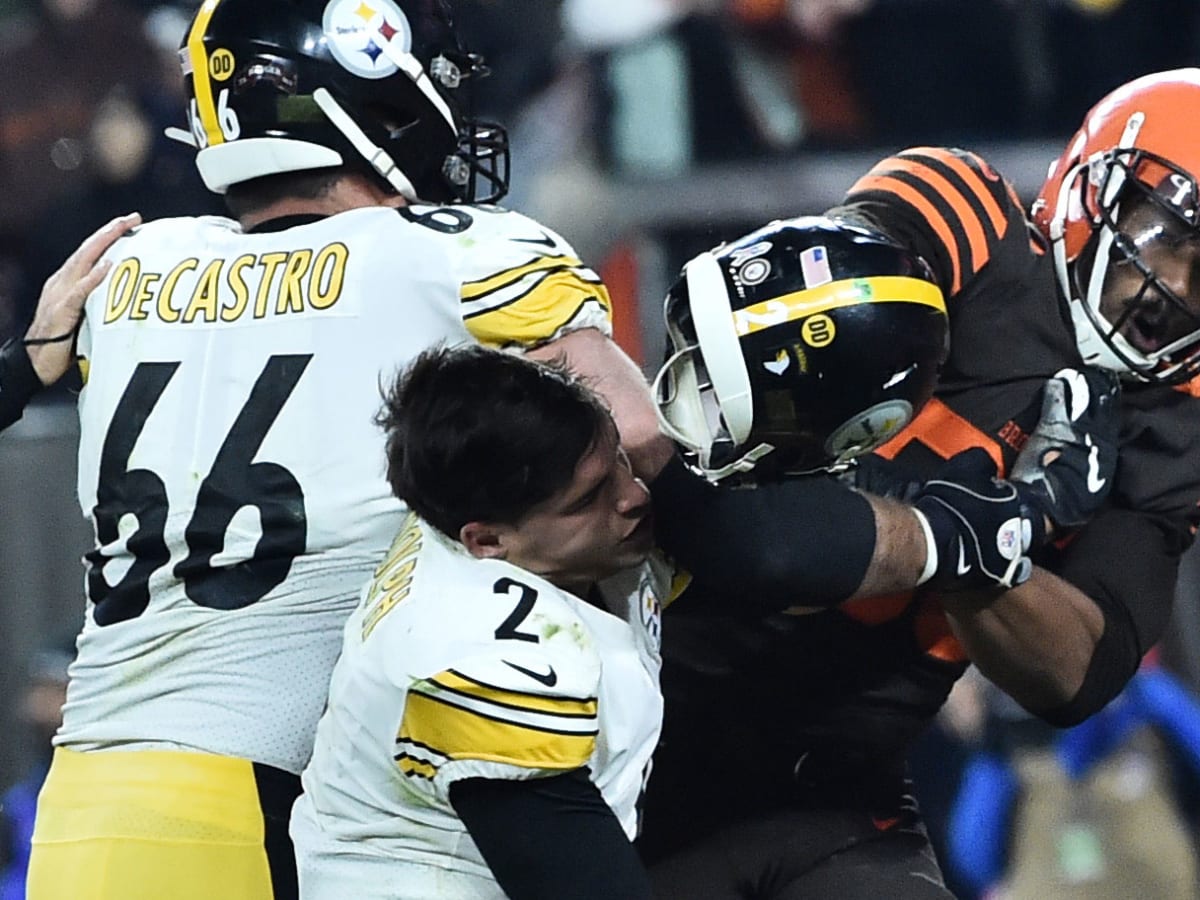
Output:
(522, 284)
(454, 667)
(230, 463)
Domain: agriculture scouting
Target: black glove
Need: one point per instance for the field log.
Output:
(873, 474)
(1068, 465)
(979, 532)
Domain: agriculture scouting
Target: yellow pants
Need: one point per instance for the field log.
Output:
(149, 825)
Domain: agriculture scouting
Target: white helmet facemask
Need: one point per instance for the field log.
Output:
(703, 396)
(1120, 241)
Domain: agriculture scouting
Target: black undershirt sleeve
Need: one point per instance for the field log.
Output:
(804, 541)
(18, 381)
(1127, 563)
(550, 838)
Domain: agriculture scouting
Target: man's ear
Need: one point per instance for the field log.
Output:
(484, 540)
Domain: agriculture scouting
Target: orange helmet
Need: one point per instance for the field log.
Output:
(1123, 198)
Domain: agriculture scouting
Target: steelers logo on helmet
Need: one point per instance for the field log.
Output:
(367, 36)
(871, 428)
(826, 357)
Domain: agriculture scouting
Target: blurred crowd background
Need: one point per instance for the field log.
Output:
(644, 131)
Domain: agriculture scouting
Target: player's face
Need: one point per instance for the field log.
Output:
(597, 525)
(1153, 313)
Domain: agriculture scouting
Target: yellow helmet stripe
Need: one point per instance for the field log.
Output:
(201, 82)
(847, 292)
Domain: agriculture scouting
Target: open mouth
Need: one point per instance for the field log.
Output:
(1145, 337)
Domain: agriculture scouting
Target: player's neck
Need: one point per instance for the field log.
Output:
(346, 194)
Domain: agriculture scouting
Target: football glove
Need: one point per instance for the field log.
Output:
(1067, 467)
(975, 529)
(873, 474)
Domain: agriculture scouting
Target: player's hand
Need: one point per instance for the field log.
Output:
(1067, 467)
(873, 474)
(979, 528)
(50, 338)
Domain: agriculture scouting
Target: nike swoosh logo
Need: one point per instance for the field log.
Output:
(545, 240)
(1094, 482)
(549, 678)
(962, 568)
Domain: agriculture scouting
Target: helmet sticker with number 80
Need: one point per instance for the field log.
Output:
(818, 331)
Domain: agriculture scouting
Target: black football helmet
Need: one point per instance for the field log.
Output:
(287, 85)
(798, 347)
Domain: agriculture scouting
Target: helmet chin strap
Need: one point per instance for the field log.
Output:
(379, 159)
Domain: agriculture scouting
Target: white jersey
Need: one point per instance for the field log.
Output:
(230, 463)
(454, 667)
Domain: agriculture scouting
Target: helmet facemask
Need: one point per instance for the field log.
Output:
(1135, 288)
(708, 413)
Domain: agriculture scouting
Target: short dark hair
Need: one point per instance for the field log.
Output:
(310, 184)
(475, 434)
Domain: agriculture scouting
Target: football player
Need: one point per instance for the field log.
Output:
(228, 458)
(492, 714)
(800, 790)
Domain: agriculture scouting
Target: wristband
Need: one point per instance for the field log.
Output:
(18, 381)
(931, 552)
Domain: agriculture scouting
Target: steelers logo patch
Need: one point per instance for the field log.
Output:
(869, 429)
(367, 37)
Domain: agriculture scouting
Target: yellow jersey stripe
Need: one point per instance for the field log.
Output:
(548, 292)
(201, 85)
(410, 765)
(845, 292)
(567, 707)
(462, 734)
(537, 317)
(473, 290)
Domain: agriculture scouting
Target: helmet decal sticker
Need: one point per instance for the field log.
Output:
(221, 64)
(818, 330)
(779, 364)
(747, 265)
(365, 36)
(814, 264)
(871, 428)
(754, 272)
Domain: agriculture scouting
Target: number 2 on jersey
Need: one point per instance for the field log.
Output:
(234, 482)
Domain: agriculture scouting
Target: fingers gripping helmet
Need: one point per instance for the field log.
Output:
(798, 347)
(279, 86)
(1123, 198)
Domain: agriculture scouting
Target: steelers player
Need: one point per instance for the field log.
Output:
(492, 715)
(228, 460)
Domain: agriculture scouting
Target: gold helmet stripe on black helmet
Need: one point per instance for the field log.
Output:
(206, 107)
(837, 294)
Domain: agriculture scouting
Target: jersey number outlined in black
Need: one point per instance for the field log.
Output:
(508, 628)
(233, 482)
